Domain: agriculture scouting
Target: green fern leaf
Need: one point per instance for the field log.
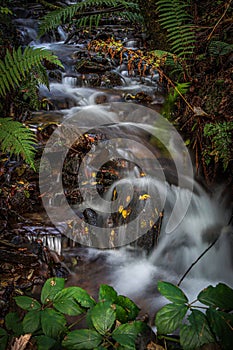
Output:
(15, 66)
(221, 138)
(221, 48)
(17, 139)
(174, 17)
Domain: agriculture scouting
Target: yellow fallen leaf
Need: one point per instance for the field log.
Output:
(143, 197)
(125, 213)
(120, 208)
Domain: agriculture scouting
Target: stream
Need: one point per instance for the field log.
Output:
(151, 186)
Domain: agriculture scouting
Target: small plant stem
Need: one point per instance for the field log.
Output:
(76, 322)
(168, 338)
(109, 342)
(213, 30)
(177, 90)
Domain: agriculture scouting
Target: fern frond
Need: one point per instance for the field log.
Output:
(221, 48)
(132, 17)
(82, 10)
(16, 65)
(177, 90)
(221, 138)
(88, 21)
(16, 139)
(173, 17)
(5, 11)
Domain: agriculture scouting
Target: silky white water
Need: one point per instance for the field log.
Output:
(206, 219)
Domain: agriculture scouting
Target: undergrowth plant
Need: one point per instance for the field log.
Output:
(145, 63)
(137, 60)
(16, 139)
(214, 324)
(220, 148)
(22, 70)
(110, 321)
(174, 17)
(171, 99)
(219, 48)
(17, 64)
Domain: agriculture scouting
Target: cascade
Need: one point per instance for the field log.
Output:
(206, 219)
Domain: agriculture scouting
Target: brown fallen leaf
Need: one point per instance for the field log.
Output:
(21, 342)
(199, 111)
(154, 346)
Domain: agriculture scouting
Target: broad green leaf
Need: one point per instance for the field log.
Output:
(45, 343)
(103, 317)
(82, 297)
(126, 335)
(82, 339)
(220, 296)
(65, 303)
(170, 317)
(140, 326)
(51, 287)
(31, 321)
(197, 333)
(107, 293)
(172, 292)
(53, 323)
(222, 325)
(3, 339)
(131, 308)
(121, 314)
(13, 322)
(27, 303)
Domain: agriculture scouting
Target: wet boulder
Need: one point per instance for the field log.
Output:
(92, 65)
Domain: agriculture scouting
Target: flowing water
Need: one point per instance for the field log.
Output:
(201, 215)
(134, 273)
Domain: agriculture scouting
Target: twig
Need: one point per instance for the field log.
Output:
(169, 338)
(203, 253)
(213, 30)
(177, 90)
(194, 263)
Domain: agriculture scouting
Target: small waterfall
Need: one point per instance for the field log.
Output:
(49, 236)
(62, 33)
(206, 219)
